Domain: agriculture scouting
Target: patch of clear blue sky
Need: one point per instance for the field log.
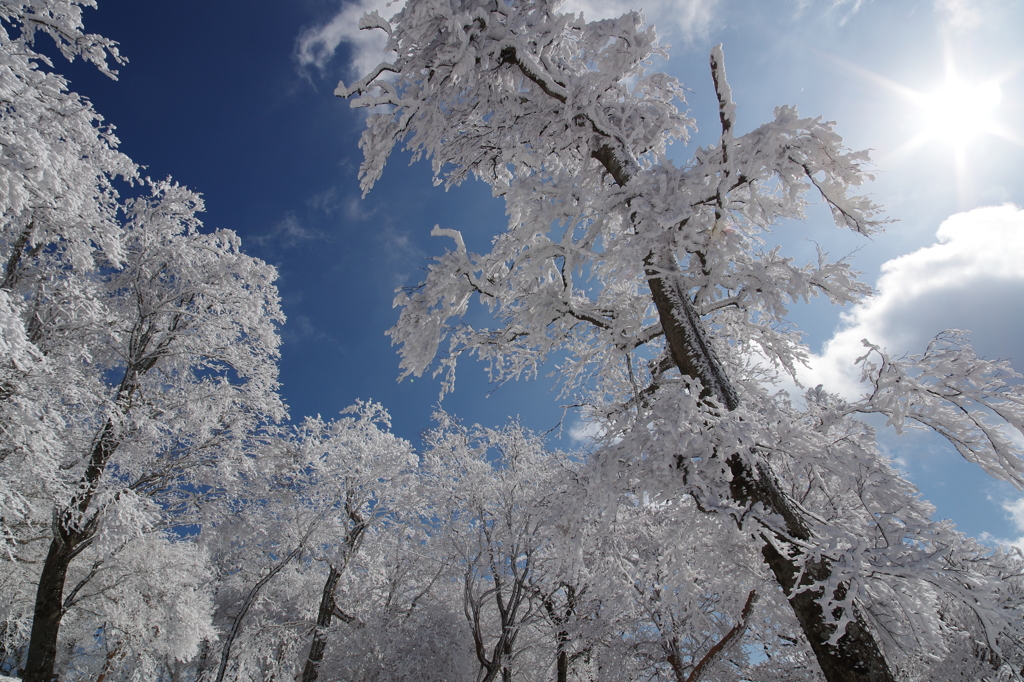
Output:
(212, 96)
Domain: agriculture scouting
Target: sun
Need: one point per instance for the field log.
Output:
(958, 111)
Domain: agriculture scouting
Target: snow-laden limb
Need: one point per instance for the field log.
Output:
(479, 56)
(57, 159)
(951, 390)
(61, 20)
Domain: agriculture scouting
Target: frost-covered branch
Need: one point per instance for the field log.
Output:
(952, 391)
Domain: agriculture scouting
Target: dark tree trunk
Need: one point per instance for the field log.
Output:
(328, 606)
(856, 657)
(49, 609)
(73, 530)
(323, 621)
(685, 337)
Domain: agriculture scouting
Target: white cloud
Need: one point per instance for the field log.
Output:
(585, 432)
(959, 14)
(686, 19)
(316, 46)
(289, 232)
(971, 279)
(1015, 509)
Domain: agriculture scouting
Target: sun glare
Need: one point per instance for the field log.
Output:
(959, 111)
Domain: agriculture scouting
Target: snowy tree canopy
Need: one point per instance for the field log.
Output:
(649, 279)
(162, 519)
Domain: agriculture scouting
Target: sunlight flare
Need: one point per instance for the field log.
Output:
(959, 111)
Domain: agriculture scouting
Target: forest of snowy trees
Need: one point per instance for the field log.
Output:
(162, 519)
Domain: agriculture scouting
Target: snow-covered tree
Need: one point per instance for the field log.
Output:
(495, 496)
(290, 535)
(58, 222)
(369, 467)
(650, 283)
(140, 355)
(156, 369)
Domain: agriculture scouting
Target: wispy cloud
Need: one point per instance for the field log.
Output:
(960, 14)
(972, 274)
(1015, 512)
(844, 9)
(688, 20)
(289, 232)
(355, 209)
(326, 201)
(317, 46)
(330, 202)
(300, 328)
(402, 254)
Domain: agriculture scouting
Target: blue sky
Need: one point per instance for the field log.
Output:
(235, 100)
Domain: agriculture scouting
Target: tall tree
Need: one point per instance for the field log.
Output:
(178, 355)
(58, 221)
(292, 525)
(493, 495)
(649, 278)
(369, 469)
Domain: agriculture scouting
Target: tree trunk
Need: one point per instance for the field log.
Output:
(685, 337)
(856, 657)
(323, 621)
(49, 609)
(72, 532)
(562, 659)
(328, 606)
